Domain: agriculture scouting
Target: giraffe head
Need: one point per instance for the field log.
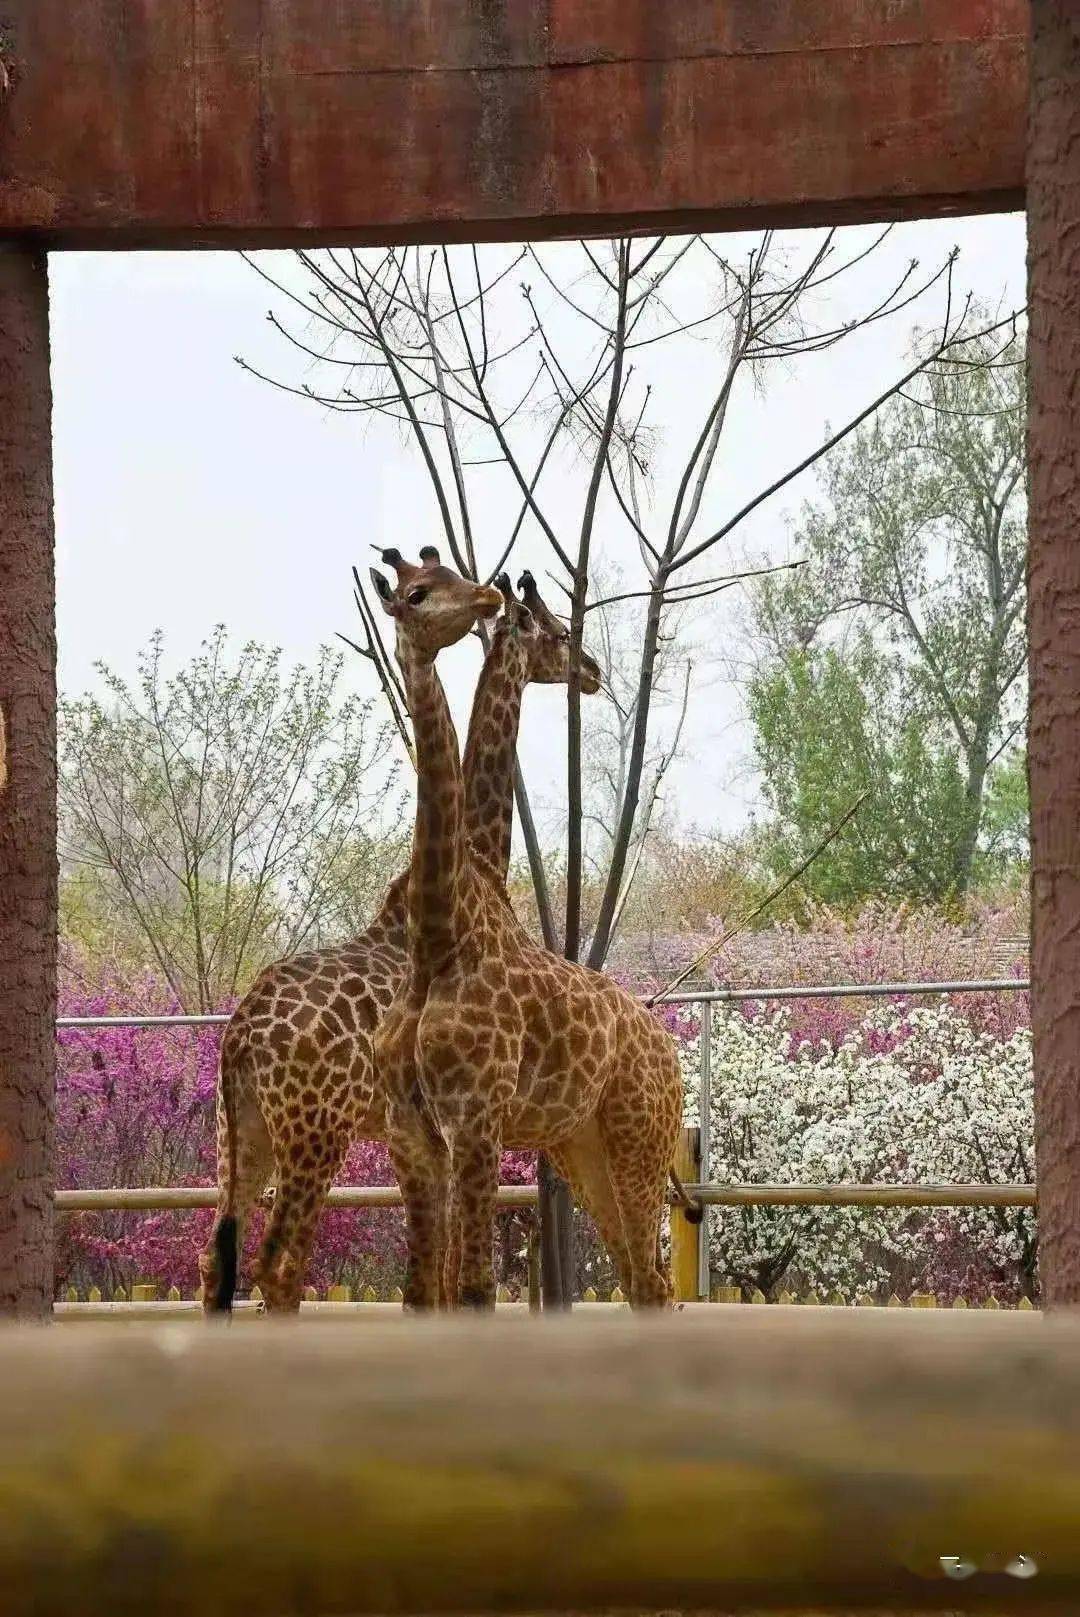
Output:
(547, 638)
(432, 605)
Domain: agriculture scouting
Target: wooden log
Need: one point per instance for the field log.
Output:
(686, 1237)
(28, 788)
(231, 122)
(1054, 632)
(824, 1460)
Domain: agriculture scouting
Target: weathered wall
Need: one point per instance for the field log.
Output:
(243, 120)
(27, 794)
(1054, 617)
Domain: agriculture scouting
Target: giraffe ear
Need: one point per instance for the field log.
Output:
(382, 585)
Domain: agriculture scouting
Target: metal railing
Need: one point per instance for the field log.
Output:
(703, 997)
(711, 1195)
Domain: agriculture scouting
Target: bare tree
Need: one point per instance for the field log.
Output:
(498, 366)
(504, 365)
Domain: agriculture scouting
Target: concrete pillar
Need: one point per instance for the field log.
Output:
(1053, 181)
(27, 787)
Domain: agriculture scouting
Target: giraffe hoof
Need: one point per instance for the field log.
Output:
(476, 1297)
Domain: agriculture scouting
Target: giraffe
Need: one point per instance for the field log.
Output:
(296, 1082)
(492, 1038)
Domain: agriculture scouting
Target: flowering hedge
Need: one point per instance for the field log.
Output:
(818, 1091)
(904, 1094)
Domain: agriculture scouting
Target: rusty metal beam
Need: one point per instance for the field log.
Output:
(229, 122)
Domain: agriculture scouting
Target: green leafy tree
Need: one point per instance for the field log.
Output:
(222, 817)
(894, 661)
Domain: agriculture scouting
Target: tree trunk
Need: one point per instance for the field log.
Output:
(1054, 626)
(27, 788)
(974, 788)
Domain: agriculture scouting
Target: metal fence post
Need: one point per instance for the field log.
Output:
(705, 1142)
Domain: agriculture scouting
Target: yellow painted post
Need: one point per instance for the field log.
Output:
(686, 1237)
(310, 1294)
(864, 1300)
(502, 1294)
(727, 1294)
(1026, 1304)
(71, 1295)
(397, 1295)
(145, 1293)
(757, 1295)
(173, 1295)
(959, 1302)
(923, 1299)
(369, 1295)
(256, 1295)
(836, 1299)
(339, 1294)
(534, 1269)
(588, 1295)
(785, 1297)
(93, 1295)
(617, 1295)
(811, 1300)
(119, 1295)
(894, 1301)
(991, 1302)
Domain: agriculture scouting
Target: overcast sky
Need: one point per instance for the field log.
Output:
(188, 493)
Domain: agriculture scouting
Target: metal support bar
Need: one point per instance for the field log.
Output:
(715, 996)
(705, 1146)
(147, 1198)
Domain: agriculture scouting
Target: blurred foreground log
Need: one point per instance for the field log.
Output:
(769, 1458)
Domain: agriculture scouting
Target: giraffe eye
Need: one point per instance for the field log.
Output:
(414, 597)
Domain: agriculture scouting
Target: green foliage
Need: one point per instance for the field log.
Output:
(826, 734)
(894, 661)
(216, 819)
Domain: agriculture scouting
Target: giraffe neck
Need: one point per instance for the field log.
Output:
(490, 752)
(436, 918)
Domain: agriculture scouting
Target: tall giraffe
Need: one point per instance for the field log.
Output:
(296, 1084)
(492, 1038)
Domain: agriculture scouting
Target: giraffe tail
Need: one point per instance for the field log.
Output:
(225, 1251)
(226, 1236)
(693, 1210)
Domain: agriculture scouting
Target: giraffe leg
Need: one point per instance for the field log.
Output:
(582, 1162)
(254, 1165)
(452, 1264)
(290, 1231)
(421, 1166)
(476, 1160)
(639, 1170)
